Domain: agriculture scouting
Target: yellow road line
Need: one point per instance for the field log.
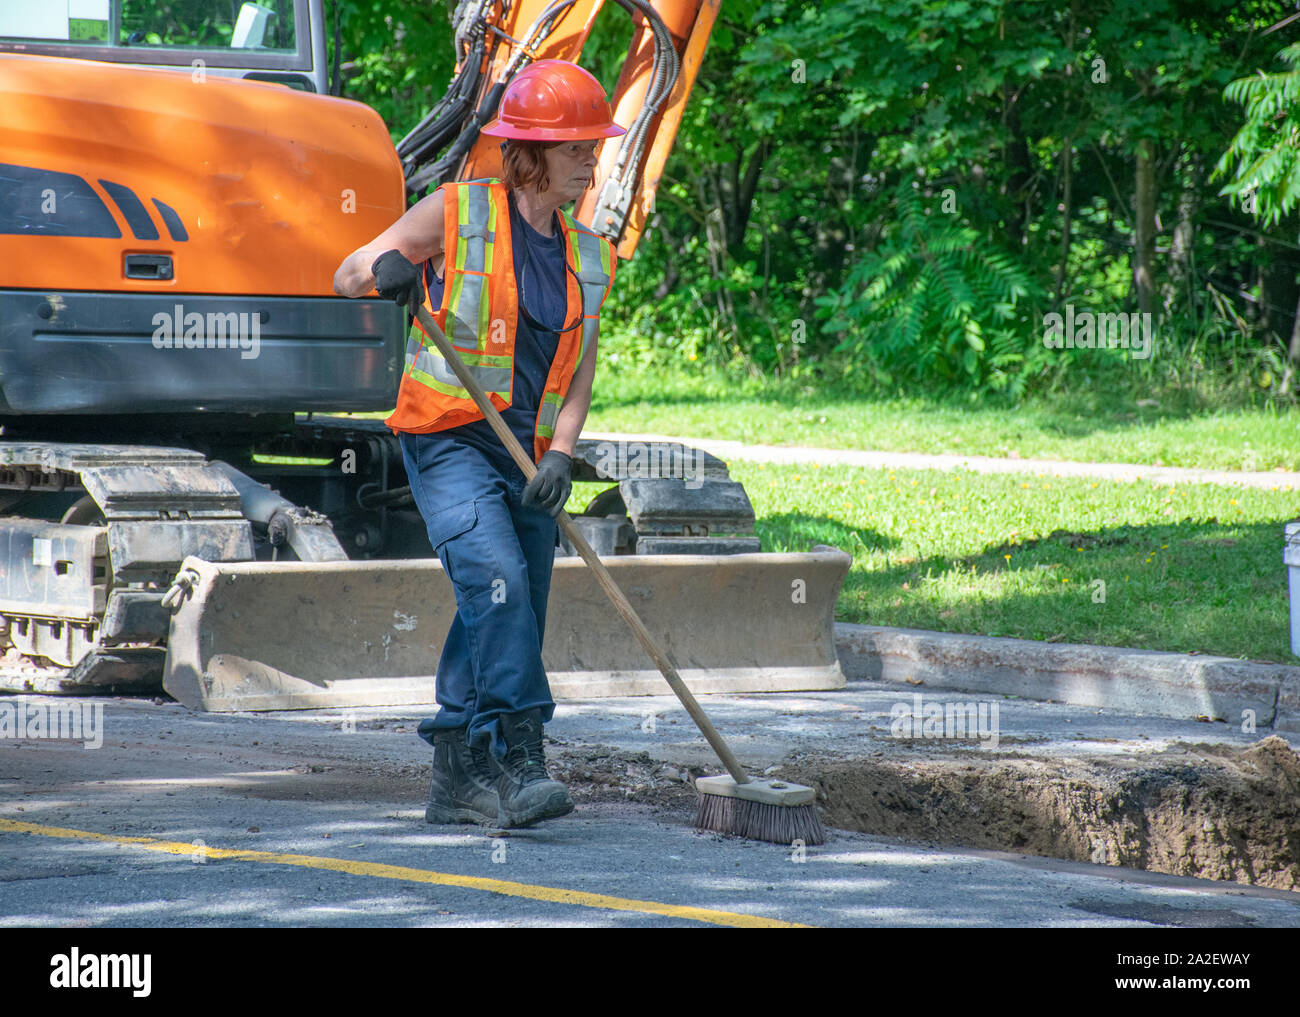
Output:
(381, 871)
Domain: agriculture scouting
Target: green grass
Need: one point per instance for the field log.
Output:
(1187, 568)
(1091, 426)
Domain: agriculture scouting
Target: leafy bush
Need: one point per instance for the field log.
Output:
(935, 302)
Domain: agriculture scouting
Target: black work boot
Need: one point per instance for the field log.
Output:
(463, 788)
(526, 791)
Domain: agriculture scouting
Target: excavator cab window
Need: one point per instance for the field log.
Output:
(271, 40)
(209, 24)
(266, 25)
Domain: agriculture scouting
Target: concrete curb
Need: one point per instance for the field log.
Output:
(1151, 682)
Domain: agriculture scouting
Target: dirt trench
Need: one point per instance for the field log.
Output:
(1209, 811)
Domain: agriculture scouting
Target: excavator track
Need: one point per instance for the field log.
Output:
(664, 498)
(132, 568)
(83, 576)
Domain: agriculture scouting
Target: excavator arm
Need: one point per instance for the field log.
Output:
(496, 40)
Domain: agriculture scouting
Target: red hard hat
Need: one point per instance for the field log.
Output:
(554, 100)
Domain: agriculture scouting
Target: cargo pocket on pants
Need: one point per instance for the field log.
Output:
(448, 524)
(468, 557)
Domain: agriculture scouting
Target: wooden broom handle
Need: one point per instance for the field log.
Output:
(525, 463)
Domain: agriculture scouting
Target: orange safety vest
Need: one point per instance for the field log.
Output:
(478, 316)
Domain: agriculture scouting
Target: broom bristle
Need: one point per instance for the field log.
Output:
(777, 824)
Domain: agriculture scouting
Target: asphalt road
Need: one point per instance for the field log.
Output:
(313, 819)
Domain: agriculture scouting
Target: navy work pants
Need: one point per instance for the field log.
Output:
(498, 556)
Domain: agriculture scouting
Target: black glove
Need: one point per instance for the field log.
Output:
(551, 484)
(398, 279)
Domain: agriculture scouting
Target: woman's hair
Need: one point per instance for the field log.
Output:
(524, 164)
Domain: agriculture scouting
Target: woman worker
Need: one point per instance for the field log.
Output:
(517, 285)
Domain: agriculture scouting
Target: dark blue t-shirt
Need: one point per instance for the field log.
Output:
(540, 280)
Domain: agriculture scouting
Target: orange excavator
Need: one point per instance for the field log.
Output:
(181, 501)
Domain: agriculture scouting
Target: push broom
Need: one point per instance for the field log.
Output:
(740, 805)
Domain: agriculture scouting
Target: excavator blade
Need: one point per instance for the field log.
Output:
(305, 635)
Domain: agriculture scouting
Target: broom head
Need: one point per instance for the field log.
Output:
(771, 810)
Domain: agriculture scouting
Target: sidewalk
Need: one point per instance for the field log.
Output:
(1124, 472)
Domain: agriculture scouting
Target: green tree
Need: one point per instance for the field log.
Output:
(1264, 157)
(396, 56)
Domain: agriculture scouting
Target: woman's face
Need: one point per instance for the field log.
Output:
(570, 165)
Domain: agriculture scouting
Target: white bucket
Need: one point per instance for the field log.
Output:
(1291, 555)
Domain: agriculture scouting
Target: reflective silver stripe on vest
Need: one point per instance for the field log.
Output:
(493, 379)
(548, 415)
(467, 310)
(591, 257)
(475, 209)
